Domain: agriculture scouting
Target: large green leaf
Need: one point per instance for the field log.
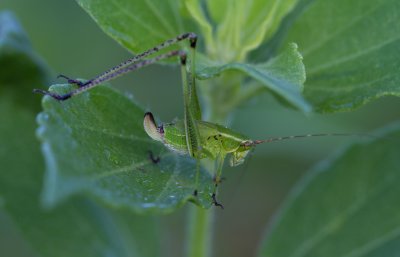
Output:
(351, 51)
(347, 206)
(95, 142)
(283, 75)
(78, 228)
(138, 25)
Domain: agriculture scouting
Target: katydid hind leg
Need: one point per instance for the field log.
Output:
(110, 76)
(191, 130)
(73, 81)
(129, 65)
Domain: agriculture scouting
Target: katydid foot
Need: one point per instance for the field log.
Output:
(74, 81)
(154, 159)
(215, 202)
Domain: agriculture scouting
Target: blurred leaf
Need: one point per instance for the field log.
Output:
(271, 47)
(351, 52)
(346, 206)
(243, 25)
(96, 142)
(21, 69)
(283, 75)
(79, 228)
(194, 8)
(137, 25)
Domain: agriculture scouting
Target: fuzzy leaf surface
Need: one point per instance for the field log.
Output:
(95, 142)
(138, 25)
(351, 51)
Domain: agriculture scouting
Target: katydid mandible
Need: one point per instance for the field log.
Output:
(192, 135)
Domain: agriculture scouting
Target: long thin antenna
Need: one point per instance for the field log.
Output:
(274, 139)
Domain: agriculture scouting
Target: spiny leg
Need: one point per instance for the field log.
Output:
(111, 76)
(122, 66)
(190, 117)
(189, 35)
(73, 81)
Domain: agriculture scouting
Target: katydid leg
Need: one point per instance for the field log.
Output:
(110, 76)
(217, 178)
(129, 65)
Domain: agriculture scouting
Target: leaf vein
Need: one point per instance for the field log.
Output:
(159, 16)
(354, 21)
(112, 134)
(150, 29)
(353, 56)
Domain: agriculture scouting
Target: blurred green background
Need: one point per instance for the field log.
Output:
(72, 44)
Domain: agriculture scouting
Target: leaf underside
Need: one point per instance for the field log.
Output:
(283, 75)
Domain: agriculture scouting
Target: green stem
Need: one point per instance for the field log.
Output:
(200, 232)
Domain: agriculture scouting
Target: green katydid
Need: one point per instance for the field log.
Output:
(192, 135)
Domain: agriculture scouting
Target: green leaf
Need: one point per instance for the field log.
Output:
(346, 206)
(141, 32)
(20, 67)
(78, 228)
(351, 52)
(283, 75)
(138, 25)
(241, 26)
(95, 142)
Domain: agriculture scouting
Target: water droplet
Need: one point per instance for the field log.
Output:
(45, 116)
(129, 95)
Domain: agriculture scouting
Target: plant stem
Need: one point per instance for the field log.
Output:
(218, 95)
(200, 232)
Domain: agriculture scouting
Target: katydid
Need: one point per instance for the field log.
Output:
(191, 135)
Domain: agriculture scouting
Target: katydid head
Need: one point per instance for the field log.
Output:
(150, 126)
